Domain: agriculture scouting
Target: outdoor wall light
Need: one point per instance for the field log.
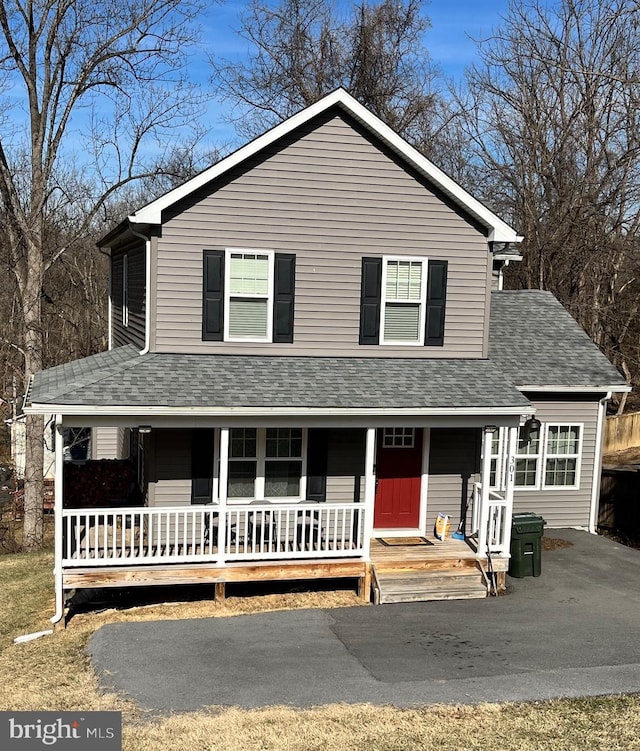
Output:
(532, 424)
(144, 428)
(491, 428)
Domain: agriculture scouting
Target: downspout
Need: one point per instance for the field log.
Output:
(501, 275)
(147, 291)
(597, 465)
(57, 524)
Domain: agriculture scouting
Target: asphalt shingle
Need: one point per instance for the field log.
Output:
(534, 341)
(251, 381)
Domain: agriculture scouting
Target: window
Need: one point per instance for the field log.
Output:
(562, 456)
(528, 458)
(403, 287)
(283, 462)
(549, 462)
(265, 463)
(398, 438)
(402, 301)
(249, 292)
(243, 462)
(248, 295)
(125, 290)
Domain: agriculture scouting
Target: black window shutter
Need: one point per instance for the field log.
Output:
(284, 297)
(436, 300)
(202, 440)
(370, 294)
(213, 296)
(317, 447)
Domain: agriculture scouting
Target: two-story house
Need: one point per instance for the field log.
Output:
(308, 363)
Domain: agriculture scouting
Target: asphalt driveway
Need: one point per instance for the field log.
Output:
(572, 632)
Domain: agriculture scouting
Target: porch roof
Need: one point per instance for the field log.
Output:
(112, 382)
(538, 345)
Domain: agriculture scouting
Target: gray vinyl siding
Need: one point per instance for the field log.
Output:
(110, 443)
(330, 196)
(345, 466)
(134, 333)
(454, 464)
(105, 443)
(170, 468)
(565, 508)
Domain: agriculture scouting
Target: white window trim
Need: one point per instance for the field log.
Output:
(392, 436)
(547, 455)
(261, 459)
(543, 455)
(269, 296)
(125, 290)
(422, 302)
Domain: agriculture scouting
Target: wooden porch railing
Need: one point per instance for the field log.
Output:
(269, 531)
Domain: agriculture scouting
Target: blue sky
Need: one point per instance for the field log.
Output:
(454, 26)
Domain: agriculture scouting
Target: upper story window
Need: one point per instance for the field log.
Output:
(402, 301)
(249, 303)
(248, 295)
(403, 305)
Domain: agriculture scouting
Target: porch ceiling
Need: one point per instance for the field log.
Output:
(124, 379)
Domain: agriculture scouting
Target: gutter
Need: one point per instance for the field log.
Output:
(617, 389)
(597, 465)
(142, 409)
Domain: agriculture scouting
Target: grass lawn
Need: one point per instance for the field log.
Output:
(54, 673)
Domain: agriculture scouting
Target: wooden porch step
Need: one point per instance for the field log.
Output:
(452, 584)
(403, 565)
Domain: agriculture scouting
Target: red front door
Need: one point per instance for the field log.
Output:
(398, 474)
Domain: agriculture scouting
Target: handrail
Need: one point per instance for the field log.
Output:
(253, 531)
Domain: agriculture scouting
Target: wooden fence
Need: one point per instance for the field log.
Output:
(620, 501)
(622, 432)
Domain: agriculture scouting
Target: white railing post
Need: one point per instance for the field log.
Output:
(369, 489)
(58, 522)
(510, 468)
(222, 493)
(483, 519)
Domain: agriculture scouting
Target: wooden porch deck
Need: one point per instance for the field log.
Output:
(404, 564)
(442, 570)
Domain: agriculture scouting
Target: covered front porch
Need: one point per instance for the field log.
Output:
(268, 539)
(284, 467)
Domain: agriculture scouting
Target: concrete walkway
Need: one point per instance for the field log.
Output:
(571, 632)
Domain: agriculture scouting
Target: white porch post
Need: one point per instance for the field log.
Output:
(369, 489)
(510, 479)
(222, 493)
(58, 522)
(487, 438)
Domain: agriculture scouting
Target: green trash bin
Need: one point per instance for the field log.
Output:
(526, 545)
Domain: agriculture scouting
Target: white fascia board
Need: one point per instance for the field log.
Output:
(620, 389)
(498, 230)
(123, 411)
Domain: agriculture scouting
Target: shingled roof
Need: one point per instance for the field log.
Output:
(535, 342)
(124, 378)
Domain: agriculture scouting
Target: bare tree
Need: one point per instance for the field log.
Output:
(89, 90)
(553, 116)
(301, 50)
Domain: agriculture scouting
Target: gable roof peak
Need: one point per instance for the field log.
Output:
(497, 229)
